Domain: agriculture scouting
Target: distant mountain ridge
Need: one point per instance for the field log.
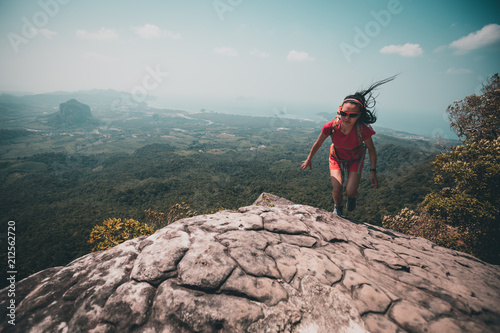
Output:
(96, 98)
(109, 99)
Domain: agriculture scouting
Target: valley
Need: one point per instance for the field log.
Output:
(57, 182)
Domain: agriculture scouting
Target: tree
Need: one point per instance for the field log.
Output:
(477, 117)
(113, 232)
(176, 212)
(468, 204)
(470, 176)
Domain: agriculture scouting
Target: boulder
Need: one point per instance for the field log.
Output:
(274, 266)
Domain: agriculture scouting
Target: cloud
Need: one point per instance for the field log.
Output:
(299, 56)
(151, 31)
(458, 71)
(226, 51)
(95, 56)
(488, 35)
(47, 33)
(148, 31)
(440, 48)
(103, 34)
(407, 50)
(260, 54)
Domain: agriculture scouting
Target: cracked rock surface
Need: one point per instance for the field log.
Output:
(271, 267)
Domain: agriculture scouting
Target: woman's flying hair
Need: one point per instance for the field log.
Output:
(367, 101)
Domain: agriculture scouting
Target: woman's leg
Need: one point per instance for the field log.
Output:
(353, 181)
(336, 177)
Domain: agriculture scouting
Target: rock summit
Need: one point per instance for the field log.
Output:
(274, 266)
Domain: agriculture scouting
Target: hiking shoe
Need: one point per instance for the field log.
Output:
(351, 204)
(338, 210)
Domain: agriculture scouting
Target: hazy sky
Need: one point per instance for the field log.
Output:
(280, 52)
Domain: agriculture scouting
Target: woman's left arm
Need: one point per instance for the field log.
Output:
(372, 152)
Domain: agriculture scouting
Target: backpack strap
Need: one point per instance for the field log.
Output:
(335, 125)
(360, 133)
(336, 121)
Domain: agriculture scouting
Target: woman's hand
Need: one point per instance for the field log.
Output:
(374, 179)
(306, 163)
(314, 149)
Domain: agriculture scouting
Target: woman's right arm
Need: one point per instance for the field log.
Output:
(308, 163)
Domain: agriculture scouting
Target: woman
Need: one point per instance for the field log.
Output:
(351, 136)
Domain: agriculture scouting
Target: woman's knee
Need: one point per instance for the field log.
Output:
(352, 192)
(353, 184)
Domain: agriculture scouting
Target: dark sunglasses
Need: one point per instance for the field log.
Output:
(350, 115)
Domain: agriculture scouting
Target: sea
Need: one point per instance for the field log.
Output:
(428, 124)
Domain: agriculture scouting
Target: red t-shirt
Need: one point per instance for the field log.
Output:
(349, 141)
